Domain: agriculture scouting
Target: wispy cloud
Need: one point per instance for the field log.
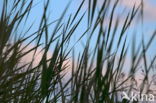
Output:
(37, 57)
(148, 7)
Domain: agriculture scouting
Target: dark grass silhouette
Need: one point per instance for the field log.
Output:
(94, 78)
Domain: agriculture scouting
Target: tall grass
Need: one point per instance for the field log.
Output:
(96, 75)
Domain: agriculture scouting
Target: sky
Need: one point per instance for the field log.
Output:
(56, 8)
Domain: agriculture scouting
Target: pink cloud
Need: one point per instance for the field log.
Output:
(149, 9)
(38, 56)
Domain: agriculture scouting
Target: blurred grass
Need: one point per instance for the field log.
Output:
(96, 76)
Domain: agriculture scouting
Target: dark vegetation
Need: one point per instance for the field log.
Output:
(94, 76)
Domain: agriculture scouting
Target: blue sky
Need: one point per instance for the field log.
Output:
(56, 8)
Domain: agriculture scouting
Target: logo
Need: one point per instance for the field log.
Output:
(138, 97)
